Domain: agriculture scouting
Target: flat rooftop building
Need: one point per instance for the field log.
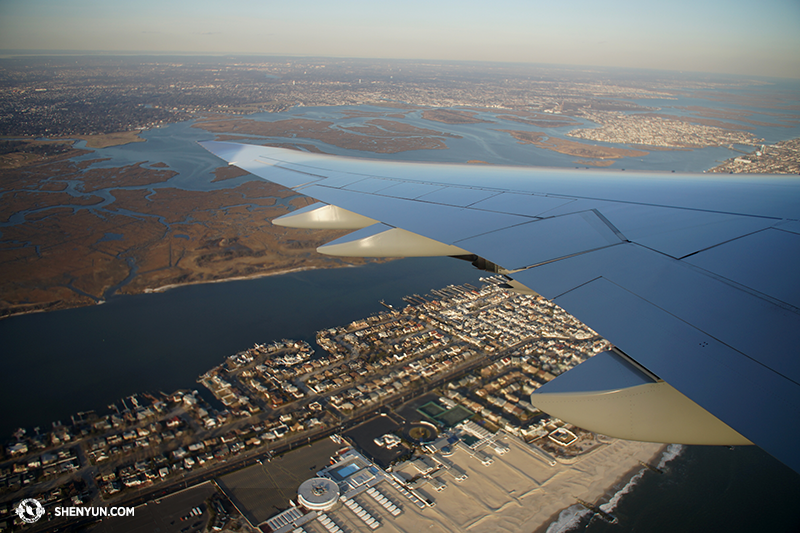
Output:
(318, 494)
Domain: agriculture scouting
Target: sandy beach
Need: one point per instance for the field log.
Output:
(569, 516)
(518, 491)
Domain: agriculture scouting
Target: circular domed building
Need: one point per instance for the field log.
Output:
(318, 494)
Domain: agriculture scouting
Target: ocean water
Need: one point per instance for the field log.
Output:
(704, 488)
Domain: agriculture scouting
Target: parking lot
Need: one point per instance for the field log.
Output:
(364, 436)
(263, 490)
(165, 514)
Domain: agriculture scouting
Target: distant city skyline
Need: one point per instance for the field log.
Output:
(734, 37)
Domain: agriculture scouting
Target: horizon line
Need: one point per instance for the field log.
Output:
(12, 53)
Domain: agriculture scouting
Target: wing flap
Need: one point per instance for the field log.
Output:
(741, 392)
(655, 412)
(609, 395)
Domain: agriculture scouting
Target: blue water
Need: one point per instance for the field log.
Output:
(709, 488)
(482, 141)
(56, 364)
(176, 145)
(111, 237)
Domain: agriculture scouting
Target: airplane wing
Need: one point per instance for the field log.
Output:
(695, 279)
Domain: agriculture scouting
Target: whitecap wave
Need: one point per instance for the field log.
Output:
(672, 451)
(612, 503)
(568, 519)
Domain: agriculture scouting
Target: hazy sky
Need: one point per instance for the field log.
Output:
(733, 36)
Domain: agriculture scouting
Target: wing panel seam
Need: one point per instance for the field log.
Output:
(676, 317)
(576, 254)
(726, 242)
(731, 283)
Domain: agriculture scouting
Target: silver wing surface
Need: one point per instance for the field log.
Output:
(695, 279)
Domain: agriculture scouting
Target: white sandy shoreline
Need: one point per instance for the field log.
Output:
(164, 288)
(239, 278)
(519, 492)
(565, 520)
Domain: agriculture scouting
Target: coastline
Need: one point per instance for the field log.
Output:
(520, 492)
(165, 288)
(106, 140)
(601, 490)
